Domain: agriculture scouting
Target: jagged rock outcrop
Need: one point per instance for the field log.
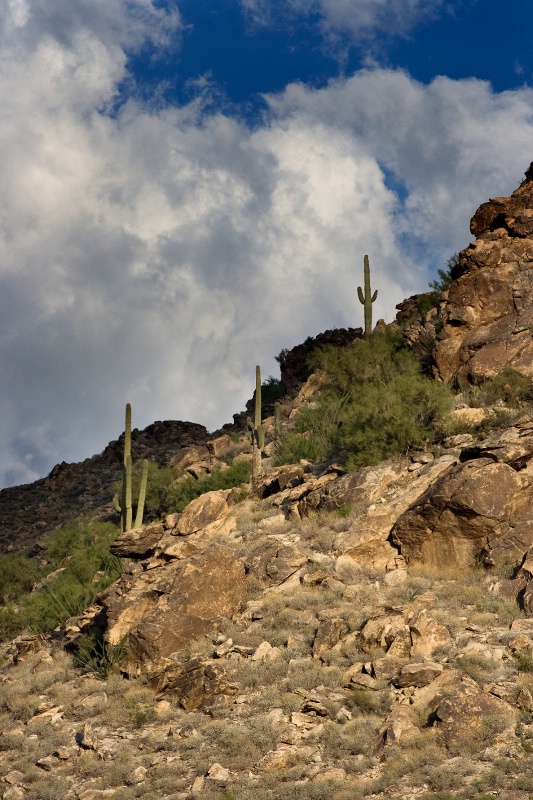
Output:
(487, 319)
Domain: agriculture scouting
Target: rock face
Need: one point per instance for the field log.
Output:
(478, 508)
(487, 320)
(163, 609)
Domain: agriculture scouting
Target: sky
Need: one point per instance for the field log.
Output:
(187, 187)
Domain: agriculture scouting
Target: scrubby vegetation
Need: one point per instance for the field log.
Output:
(41, 594)
(169, 489)
(375, 403)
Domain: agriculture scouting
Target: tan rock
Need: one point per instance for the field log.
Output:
(398, 726)
(471, 719)
(427, 699)
(273, 562)
(169, 607)
(203, 511)
(427, 634)
(380, 631)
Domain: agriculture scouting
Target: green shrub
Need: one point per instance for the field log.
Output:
(446, 276)
(170, 490)
(375, 404)
(509, 387)
(182, 492)
(79, 566)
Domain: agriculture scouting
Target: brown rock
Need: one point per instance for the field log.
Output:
(488, 313)
(451, 523)
(418, 674)
(138, 542)
(168, 607)
(470, 718)
(327, 636)
(194, 683)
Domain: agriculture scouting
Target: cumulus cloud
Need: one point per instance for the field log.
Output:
(155, 256)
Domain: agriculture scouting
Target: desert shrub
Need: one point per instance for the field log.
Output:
(169, 490)
(14, 577)
(447, 275)
(271, 390)
(181, 493)
(79, 566)
(95, 655)
(509, 387)
(375, 404)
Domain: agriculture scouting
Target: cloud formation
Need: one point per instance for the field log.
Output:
(156, 255)
(356, 19)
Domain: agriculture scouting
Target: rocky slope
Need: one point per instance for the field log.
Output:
(335, 635)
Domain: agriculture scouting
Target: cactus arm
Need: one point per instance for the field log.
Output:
(127, 510)
(142, 495)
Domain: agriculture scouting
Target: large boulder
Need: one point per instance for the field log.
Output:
(471, 506)
(470, 719)
(160, 611)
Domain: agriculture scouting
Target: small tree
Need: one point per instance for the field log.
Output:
(445, 275)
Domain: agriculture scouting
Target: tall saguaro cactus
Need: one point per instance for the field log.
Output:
(257, 430)
(367, 298)
(125, 508)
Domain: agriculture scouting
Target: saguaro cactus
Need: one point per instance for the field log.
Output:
(257, 430)
(367, 298)
(125, 508)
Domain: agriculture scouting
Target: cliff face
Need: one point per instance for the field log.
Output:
(487, 319)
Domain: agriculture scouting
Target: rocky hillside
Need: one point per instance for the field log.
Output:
(340, 635)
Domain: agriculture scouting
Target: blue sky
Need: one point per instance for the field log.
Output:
(189, 187)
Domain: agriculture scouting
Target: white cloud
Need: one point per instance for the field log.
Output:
(156, 256)
(356, 19)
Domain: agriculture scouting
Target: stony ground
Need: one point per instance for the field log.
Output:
(340, 683)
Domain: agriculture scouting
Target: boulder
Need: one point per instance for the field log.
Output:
(367, 539)
(418, 674)
(163, 610)
(470, 719)
(273, 562)
(205, 510)
(450, 525)
(138, 542)
(193, 683)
